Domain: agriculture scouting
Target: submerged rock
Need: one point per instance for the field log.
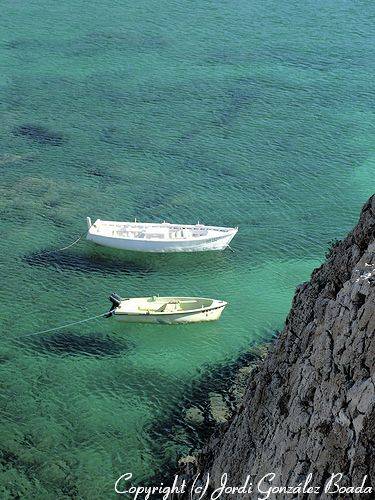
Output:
(194, 415)
(237, 391)
(40, 134)
(261, 350)
(220, 411)
(189, 459)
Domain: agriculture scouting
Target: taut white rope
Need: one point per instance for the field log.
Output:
(65, 326)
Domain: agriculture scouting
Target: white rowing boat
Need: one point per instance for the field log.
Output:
(164, 237)
(165, 310)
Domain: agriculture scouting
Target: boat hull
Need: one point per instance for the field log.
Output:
(209, 244)
(173, 318)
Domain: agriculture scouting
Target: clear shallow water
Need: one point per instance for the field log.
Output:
(256, 114)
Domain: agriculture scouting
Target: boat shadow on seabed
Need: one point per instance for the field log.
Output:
(108, 260)
(93, 262)
(170, 262)
(75, 344)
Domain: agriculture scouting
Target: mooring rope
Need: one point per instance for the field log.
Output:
(64, 248)
(64, 326)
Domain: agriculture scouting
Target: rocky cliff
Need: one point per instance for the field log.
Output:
(310, 407)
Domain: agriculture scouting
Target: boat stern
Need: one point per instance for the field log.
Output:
(116, 302)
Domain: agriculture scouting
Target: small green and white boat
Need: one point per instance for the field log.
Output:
(165, 310)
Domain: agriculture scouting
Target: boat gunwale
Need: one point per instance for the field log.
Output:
(163, 224)
(169, 240)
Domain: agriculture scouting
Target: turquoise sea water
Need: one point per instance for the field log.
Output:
(251, 113)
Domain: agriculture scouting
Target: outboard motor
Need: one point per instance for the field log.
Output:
(116, 301)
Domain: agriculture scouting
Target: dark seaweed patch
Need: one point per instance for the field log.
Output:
(72, 344)
(22, 44)
(93, 263)
(238, 100)
(94, 169)
(4, 358)
(57, 221)
(105, 175)
(52, 203)
(96, 173)
(40, 134)
(8, 458)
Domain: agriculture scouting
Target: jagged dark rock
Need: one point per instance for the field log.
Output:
(310, 407)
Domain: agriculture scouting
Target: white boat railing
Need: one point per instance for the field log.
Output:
(146, 226)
